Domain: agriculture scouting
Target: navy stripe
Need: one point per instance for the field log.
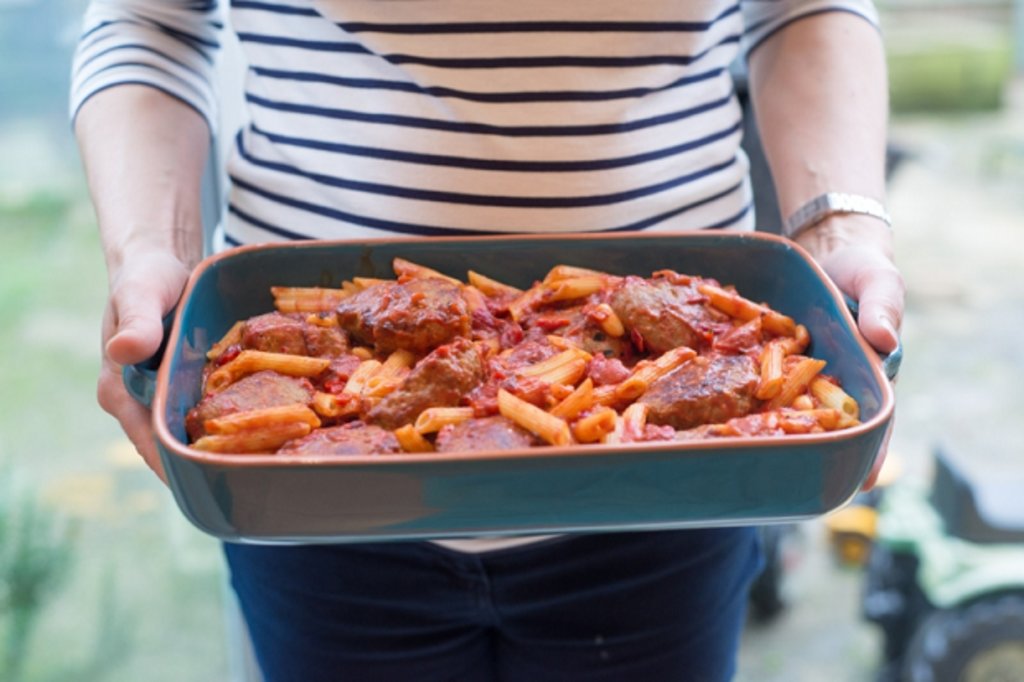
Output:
(144, 48)
(557, 61)
(485, 199)
(185, 37)
(487, 129)
(554, 61)
(784, 24)
(490, 97)
(364, 221)
(136, 81)
(317, 45)
(178, 36)
(277, 9)
(430, 231)
(162, 72)
(667, 215)
(97, 27)
(498, 165)
(540, 26)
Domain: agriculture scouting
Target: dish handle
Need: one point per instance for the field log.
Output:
(140, 379)
(890, 362)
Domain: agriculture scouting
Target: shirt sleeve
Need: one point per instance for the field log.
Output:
(762, 18)
(166, 44)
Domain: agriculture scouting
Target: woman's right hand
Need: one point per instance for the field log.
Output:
(143, 289)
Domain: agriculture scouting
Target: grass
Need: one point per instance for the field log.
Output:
(143, 598)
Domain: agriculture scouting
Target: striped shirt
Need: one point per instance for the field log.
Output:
(371, 118)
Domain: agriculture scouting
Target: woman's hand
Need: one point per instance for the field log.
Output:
(142, 291)
(856, 252)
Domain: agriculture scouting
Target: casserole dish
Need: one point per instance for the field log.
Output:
(730, 481)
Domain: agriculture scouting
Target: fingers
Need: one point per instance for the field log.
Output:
(135, 419)
(870, 277)
(880, 297)
(141, 294)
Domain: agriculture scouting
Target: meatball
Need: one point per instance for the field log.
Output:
(417, 315)
(704, 390)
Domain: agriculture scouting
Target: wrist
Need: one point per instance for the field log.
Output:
(847, 229)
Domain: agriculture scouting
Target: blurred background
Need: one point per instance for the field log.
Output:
(101, 579)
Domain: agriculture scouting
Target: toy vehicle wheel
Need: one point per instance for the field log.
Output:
(980, 642)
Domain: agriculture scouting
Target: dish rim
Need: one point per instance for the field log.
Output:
(175, 447)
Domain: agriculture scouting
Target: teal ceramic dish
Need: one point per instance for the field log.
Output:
(266, 498)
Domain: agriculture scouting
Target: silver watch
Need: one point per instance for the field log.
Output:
(828, 204)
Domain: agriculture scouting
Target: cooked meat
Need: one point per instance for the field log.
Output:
(704, 390)
(354, 438)
(256, 391)
(417, 315)
(278, 333)
(584, 330)
(665, 315)
(325, 342)
(489, 433)
(275, 333)
(440, 379)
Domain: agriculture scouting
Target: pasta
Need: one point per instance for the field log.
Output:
(580, 357)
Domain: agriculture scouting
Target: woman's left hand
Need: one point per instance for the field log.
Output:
(856, 252)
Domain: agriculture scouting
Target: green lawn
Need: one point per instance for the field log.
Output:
(142, 595)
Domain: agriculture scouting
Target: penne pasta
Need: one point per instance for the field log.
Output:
(634, 419)
(575, 403)
(796, 381)
(566, 357)
(432, 419)
(569, 289)
(252, 361)
(408, 269)
(560, 272)
(797, 343)
(549, 428)
(771, 371)
(734, 305)
(265, 440)
(593, 427)
(412, 440)
(647, 372)
(262, 418)
(831, 395)
(332, 406)
(307, 299)
(357, 381)
(491, 287)
(231, 338)
(478, 343)
(608, 320)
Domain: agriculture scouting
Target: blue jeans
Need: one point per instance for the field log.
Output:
(658, 606)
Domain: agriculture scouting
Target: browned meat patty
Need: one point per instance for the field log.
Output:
(441, 379)
(256, 391)
(489, 433)
(665, 315)
(417, 315)
(355, 438)
(704, 390)
(277, 333)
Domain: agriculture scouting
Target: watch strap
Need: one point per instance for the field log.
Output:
(831, 203)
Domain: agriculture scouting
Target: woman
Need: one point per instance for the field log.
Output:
(369, 118)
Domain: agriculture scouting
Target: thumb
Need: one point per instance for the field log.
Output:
(880, 297)
(140, 296)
